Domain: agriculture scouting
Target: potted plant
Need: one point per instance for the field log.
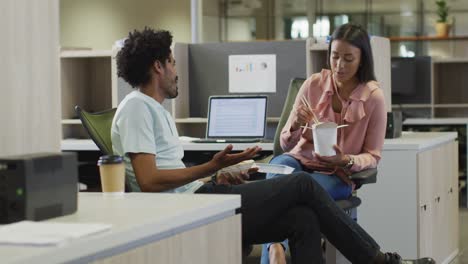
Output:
(442, 26)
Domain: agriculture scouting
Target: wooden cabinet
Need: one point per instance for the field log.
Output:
(449, 87)
(438, 200)
(459, 125)
(413, 207)
(86, 80)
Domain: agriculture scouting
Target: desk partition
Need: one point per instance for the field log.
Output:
(208, 70)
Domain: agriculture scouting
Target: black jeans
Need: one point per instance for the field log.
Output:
(296, 207)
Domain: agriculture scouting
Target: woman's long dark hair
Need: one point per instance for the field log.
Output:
(358, 37)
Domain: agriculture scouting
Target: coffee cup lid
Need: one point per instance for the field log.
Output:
(110, 159)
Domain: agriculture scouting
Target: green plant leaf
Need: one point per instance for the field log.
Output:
(442, 11)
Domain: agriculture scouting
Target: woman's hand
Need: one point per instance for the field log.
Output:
(339, 160)
(303, 115)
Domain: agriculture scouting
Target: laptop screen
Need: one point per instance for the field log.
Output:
(236, 117)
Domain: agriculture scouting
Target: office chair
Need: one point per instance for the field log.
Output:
(98, 125)
(359, 178)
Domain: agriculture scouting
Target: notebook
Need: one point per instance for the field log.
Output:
(29, 233)
(236, 119)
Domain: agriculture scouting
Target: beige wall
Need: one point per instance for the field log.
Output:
(29, 75)
(210, 30)
(98, 23)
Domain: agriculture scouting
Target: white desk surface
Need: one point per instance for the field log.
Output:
(435, 121)
(190, 146)
(78, 145)
(137, 219)
(409, 140)
(88, 145)
(418, 140)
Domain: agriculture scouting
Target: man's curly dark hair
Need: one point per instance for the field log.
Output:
(141, 49)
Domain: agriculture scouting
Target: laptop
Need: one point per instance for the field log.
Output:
(236, 119)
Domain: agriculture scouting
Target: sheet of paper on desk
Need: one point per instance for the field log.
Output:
(274, 168)
(28, 233)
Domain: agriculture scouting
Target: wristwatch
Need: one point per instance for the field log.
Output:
(350, 163)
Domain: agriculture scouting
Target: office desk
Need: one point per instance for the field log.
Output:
(413, 207)
(194, 153)
(190, 146)
(78, 145)
(147, 228)
(459, 125)
(88, 145)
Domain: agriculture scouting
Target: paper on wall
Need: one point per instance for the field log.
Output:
(252, 73)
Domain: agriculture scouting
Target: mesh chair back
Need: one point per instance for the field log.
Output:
(98, 125)
(294, 86)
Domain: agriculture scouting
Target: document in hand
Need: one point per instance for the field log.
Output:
(28, 233)
(242, 166)
(274, 168)
(245, 165)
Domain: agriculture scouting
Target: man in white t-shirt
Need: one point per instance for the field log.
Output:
(293, 206)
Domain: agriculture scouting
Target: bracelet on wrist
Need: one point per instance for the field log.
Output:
(350, 163)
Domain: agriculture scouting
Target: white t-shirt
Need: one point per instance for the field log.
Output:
(142, 125)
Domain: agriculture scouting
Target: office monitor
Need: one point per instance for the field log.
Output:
(411, 80)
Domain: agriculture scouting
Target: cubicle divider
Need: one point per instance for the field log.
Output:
(209, 70)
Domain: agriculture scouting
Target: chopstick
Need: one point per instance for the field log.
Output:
(306, 103)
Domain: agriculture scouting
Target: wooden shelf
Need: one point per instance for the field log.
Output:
(71, 122)
(86, 80)
(451, 105)
(426, 38)
(85, 53)
(411, 105)
(450, 60)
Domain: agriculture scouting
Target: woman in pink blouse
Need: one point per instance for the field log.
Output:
(347, 93)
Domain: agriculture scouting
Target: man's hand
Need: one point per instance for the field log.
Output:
(339, 160)
(224, 159)
(234, 178)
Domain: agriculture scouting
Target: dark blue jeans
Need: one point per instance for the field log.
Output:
(337, 189)
(297, 208)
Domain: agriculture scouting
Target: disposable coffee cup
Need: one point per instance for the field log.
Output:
(112, 171)
(324, 135)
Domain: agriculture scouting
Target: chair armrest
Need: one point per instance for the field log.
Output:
(364, 177)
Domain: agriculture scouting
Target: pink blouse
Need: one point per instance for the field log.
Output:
(364, 112)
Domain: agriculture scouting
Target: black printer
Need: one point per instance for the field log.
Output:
(37, 186)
